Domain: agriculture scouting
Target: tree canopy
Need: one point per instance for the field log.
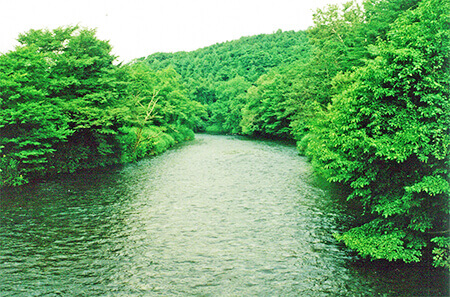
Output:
(386, 136)
(65, 106)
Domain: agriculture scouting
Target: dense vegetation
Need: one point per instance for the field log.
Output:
(364, 92)
(386, 135)
(220, 75)
(64, 106)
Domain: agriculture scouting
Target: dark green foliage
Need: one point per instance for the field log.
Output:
(267, 111)
(221, 74)
(285, 100)
(248, 57)
(57, 103)
(386, 135)
(225, 113)
(380, 15)
(336, 37)
(64, 106)
(158, 111)
(30, 122)
(81, 81)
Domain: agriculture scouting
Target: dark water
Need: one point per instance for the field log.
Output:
(220, 216)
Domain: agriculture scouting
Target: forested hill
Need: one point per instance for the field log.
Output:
(249, 57)
(219, 76)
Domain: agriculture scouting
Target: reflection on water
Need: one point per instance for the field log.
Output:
(220, 216)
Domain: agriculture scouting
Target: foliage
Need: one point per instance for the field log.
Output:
(220, 75)
(386, 136)
(156, 99)
(267, 111)
(30, 122)
(336, 36)
(379, 15)
(248, 57)
(441, 251)
(81, 85)
(225, 112)
(286, 99)
(64, 106)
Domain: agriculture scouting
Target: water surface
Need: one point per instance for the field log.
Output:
(218, 216)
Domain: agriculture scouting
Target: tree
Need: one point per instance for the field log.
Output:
(84, 81)
(60, 103)
(380, 15)
(337, 46)
(267, 111)
(225, 112)
(386, 135)
(156, 103)
(31, 123)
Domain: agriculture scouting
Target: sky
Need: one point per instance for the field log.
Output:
(138, 28)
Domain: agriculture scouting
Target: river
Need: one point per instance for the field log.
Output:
(217, 216)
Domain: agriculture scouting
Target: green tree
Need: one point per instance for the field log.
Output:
(65, 106)
(31, 123)
(386, 135)
(339, 42)
(267, 112)
(61, 99)
(225, 112)
(380, 15)
(83, 78)
(141, 104)
(158, 111)
(337, 47)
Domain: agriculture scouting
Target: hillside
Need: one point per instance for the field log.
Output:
(249, 57)
(220, 75)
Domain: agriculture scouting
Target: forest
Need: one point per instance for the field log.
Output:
(364, 93)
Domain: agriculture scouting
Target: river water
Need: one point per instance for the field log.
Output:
(218, 216)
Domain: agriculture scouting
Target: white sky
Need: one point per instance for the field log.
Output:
(137, 28)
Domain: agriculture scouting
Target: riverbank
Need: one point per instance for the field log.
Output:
(151, 141)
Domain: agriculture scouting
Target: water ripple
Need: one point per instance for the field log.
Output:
(220, 216)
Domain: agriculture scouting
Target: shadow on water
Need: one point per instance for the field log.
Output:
(400, 279)
(53, 234)
(386, 278)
